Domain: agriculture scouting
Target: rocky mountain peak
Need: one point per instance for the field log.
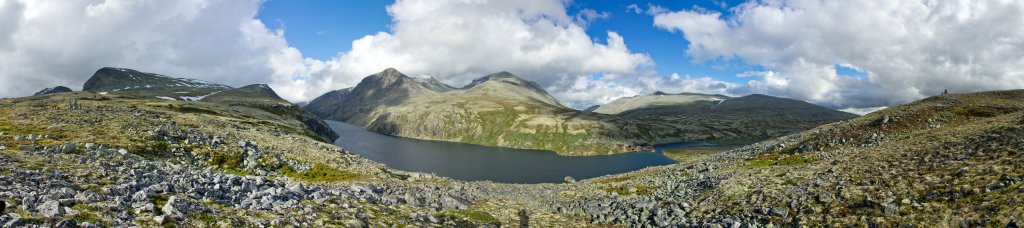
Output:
(52, 90)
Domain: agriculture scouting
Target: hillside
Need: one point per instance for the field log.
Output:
(749, 118)
(129, 82)
(505, 110)
(659, 100)
(949, 160)
(260, 96)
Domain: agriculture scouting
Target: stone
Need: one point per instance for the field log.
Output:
(891, 209)
(140, 196)
(962, 171)
(178, 208)
(780, 212)
(569, 179)
(50, 209)
(159, 219)
(27, 148)
(122, 151)
(68, 148)
(67, 223)
(3, 206)
(433, 219)
(13, 220)
(524, 218)
(449, 202)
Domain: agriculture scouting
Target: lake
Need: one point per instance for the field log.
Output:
(470, 162)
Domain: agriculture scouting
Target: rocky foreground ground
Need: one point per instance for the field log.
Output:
(84, 159)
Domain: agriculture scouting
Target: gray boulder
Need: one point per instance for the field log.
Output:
(178, 208)
(50, 209)
(569, 179)
(449, 202)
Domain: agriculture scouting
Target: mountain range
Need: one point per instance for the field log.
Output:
(111, 159)
(505, 110)
(142, 85)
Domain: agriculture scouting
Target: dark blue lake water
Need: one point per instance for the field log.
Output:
(469, 162)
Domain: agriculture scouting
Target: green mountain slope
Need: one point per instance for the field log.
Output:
(262, 97)
(388, 87)
(257, 100)
(504, 110)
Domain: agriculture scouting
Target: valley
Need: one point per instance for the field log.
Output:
(116, 159)
(505, 110)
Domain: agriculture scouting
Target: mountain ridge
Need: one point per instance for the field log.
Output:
(135, 84)
(503, 109)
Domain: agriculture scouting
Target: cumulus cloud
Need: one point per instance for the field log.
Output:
(584, 91)
(652, 9)
(587, 16)
(907, 49)
(456, 41)
(221, 41)
(215, 40)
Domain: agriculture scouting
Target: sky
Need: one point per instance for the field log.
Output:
(856, 56)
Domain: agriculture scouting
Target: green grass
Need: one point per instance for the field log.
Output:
(693, 153)
(85, 214)
(622, 191)
(205, 218)
(320, 173)
(159, 200)
(196, 110)
(237, 172)
(475, 217)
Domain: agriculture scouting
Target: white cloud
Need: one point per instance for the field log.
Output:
(634, 8)
(583, 91)
(862, 111)
(907, 49)
(587, 16)
(63, 42)
(456, 41)
(652, 9)
(49, 43)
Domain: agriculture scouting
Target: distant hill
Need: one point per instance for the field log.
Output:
(135, 84)
(129, 82)
(58, 89)
(659, 100)
(503, 109)
(262, 97)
